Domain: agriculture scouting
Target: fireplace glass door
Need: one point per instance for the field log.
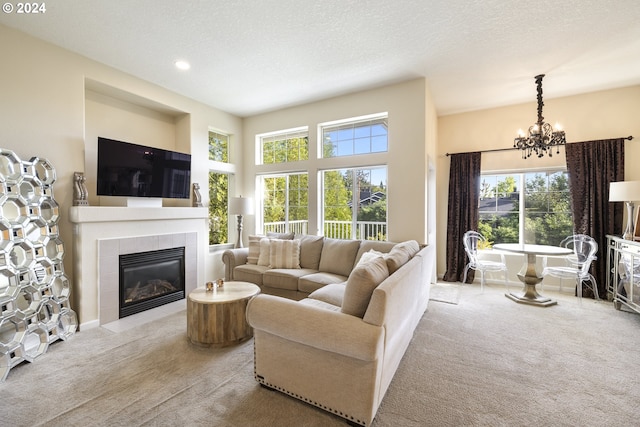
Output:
(150, 279)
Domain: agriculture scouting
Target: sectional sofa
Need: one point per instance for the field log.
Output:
(321, 261)
(339, 346)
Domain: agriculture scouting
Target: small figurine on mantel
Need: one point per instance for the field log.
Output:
(80, 192)
(197, 198)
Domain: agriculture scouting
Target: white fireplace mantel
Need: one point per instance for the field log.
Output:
(85, 214)
(100, 233)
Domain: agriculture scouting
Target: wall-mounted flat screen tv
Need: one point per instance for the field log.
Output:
(132, 170)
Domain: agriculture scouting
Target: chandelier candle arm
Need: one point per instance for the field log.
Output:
(541, 136)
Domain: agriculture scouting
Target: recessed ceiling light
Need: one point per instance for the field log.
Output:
(183, 65)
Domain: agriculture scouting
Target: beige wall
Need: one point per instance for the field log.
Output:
(411, 139)
(44, 108)
(597, 115)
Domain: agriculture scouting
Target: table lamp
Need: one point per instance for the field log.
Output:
(240, 206)
(628, 192)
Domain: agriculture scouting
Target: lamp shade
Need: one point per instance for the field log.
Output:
(624, 191)
(241, 206)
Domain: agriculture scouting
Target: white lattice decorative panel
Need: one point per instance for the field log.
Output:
(34, 290)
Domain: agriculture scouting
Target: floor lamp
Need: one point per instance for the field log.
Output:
(628, 192)
(240, 206)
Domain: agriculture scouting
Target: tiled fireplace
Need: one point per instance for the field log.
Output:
(103, 234)
(109, 252)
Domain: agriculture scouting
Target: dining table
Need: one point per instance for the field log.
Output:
(529, 274)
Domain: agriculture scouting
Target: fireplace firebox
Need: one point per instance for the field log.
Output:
(151, 279)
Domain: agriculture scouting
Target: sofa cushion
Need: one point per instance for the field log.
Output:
(254, 249)
(401, 254)
(249, 273)
(360, 285)
(284, 253)
(338, 256)
(311, 282)
(320, 304)
(284, 278)
(310, 251)
(332, 294)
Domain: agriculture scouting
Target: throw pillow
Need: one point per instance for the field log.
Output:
(360, 286)
(254, 249)
(401, 254)
(368, 256)
(282, 236)
(284, 253)
(263, 258)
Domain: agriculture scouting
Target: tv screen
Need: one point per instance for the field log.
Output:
(132, 170)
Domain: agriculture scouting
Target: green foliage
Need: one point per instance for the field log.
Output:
(337, 195)
(279, 189)
(285, 149)
(218, 213)
(218, 147)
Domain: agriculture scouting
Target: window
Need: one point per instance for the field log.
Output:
(362, 188)
(357, 136)
(218, 147)
(284, 146)
(546, 218)
(219, 177)
(285, 203)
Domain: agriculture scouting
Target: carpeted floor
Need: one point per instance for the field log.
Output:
(484, 361)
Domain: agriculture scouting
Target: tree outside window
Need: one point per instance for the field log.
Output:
(546, 218)
(355, 203)
(285, 147)
(286, 203)
(218, 147)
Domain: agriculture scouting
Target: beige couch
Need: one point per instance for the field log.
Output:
(322, 261)
(339, 348)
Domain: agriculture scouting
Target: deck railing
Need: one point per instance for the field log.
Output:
(365, 230)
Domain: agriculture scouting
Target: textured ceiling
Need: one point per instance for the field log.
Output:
(249, 57)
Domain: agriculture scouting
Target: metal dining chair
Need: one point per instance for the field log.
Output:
(470, 241)
(577, 264)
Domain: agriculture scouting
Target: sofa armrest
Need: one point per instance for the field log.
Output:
(231, 259)
(316, 327)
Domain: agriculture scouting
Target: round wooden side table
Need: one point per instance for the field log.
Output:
(217, 318)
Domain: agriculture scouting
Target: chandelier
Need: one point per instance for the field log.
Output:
(541, 137)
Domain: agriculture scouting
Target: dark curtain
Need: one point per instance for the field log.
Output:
(464, 192)
(592, 165)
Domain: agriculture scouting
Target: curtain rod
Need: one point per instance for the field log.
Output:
(628, 138)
